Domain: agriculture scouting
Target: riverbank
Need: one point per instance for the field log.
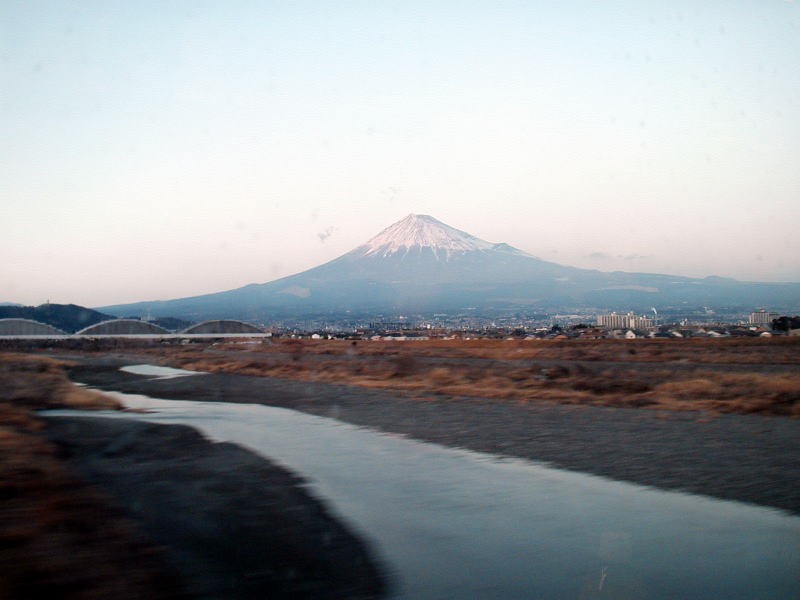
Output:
(721, 376)
(749, 458)
(231, 524)
(99, 508)
(60, 537)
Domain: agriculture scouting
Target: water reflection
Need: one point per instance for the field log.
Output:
(459, 524)
(158, 371)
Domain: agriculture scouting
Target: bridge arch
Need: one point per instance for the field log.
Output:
(27, 327)
(122, 327)
(223, 326)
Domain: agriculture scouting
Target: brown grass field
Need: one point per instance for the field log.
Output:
(58, 536)
(747, 375)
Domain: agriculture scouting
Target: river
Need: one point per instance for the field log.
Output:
(451, 523)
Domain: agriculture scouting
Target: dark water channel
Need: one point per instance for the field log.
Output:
(450, 523)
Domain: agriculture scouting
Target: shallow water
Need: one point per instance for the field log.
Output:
(452, 523)
(158, 371)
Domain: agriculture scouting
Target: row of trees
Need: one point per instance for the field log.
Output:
(786, 323)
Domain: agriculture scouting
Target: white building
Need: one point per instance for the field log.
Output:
(627, 321)
(762, 317)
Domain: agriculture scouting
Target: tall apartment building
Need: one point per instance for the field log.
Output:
(762, 317)
(627, 321)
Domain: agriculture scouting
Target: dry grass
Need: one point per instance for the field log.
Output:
(733, 392)
(778, 350)
(36, 383)
(643, 373)
(58, 538)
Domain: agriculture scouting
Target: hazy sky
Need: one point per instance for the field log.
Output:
(153, 150)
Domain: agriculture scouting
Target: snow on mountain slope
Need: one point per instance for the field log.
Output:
(421, 231)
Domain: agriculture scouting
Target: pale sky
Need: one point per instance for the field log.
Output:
(154, 150)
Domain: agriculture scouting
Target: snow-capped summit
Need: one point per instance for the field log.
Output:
(421, 231)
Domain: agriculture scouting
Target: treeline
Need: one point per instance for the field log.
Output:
(786, 323)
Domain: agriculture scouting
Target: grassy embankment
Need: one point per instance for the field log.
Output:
(58, 536)
(727, 376)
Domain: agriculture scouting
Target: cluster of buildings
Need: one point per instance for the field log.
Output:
(630, 325)
(613, 325)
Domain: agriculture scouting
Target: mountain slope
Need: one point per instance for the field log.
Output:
(420, 263)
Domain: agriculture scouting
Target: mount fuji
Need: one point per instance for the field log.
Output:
(422, 264)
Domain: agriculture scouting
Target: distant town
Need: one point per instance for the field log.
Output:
(54, 320)
(628, 325)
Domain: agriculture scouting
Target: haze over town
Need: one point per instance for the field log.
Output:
(159, 151)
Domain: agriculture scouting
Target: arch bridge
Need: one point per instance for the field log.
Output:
(222, 326)
(122, 327)
(15, 327)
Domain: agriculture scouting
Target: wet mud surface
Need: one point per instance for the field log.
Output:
(748, 458)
